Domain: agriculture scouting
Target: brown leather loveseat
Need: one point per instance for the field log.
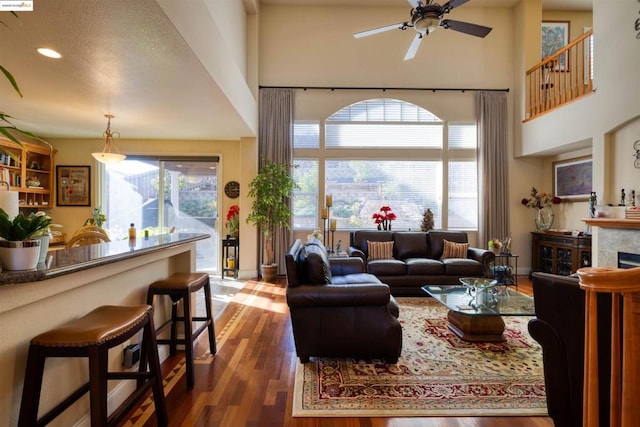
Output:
(337, 309)
(417, 258)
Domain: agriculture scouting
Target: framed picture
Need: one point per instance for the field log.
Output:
(573, 179)
(555, 36)
(73, 185)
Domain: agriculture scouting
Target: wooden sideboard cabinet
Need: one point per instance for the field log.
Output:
(559, 253)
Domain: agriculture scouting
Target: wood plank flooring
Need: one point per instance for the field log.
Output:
(250, 381)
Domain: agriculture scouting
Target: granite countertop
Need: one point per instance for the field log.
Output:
(66, 261)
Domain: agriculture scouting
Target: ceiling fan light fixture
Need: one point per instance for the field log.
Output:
(427, 24)
(106, 155)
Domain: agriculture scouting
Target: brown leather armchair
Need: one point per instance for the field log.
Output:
(559, 328)
(338, 310)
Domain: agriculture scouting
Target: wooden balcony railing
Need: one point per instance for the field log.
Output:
(624, 285)
(561, 77)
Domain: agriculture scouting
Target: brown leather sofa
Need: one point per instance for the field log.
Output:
(417, 259)
(559, 328)
(337, 309)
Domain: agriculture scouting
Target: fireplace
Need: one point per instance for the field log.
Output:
(628, 260)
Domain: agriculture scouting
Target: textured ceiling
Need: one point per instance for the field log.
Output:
(121, 57)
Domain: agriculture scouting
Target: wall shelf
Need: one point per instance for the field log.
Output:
(23, 168)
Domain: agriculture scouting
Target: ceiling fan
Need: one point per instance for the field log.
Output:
(426, 17)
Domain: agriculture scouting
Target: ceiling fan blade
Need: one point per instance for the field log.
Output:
(413, 47)
(415, 3)
(453, 3)
(466, 27)
(373, 31)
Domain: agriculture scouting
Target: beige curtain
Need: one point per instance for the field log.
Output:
(493, 166)
(275, 141)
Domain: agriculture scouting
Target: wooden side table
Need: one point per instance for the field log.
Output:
(230, 257)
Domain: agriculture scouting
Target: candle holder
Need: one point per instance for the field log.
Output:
(331, 247)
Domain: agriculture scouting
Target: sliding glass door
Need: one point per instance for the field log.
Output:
(163, 195)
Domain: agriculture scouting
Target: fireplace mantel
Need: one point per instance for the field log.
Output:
(611, 236)
(613, 222)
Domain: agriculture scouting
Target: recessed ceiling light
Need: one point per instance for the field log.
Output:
(49, 53)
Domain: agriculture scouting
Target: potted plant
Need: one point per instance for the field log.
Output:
(271, 189)
(18, 250)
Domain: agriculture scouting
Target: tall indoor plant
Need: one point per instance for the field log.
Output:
(271, 189)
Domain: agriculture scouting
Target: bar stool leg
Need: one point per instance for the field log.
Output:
(211, 327)
(151, 346)
(98, 365)
(32, 387)
(174, 324)
(188, 337)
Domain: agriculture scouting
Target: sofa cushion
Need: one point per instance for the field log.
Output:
(387, 267)
(410, 244)
(454, 250)
(358, 239)
(316, 264)
(435, 239)
(462, 267)
(356, 278)
(424, 266)
(380, 250)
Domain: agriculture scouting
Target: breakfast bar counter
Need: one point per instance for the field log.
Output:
(70, 284)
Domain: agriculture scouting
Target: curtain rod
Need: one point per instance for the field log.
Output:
(433, 89)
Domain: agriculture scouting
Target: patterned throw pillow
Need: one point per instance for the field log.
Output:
(380, 250)
(454, 250)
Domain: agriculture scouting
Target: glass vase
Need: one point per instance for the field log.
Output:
(544, 218)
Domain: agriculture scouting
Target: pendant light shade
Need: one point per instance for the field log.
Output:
(107, 156)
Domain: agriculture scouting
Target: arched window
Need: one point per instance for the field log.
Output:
(385, 152)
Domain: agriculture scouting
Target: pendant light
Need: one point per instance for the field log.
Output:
(106, 156)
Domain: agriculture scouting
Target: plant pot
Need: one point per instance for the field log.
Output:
(22, 255)
(268, 272)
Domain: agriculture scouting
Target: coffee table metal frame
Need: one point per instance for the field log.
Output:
(480, 322)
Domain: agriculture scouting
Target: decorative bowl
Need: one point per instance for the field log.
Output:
(478, 282)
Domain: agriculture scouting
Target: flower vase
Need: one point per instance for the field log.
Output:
(44, 247)
(544, 218)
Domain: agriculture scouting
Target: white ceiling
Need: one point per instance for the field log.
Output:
(126, 58)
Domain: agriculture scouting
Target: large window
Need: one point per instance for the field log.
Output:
(386, 152)
(163, 195)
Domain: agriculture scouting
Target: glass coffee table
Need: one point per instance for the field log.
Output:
(476, 316)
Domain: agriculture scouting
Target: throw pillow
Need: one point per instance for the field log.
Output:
(454, 250)
(380, 250)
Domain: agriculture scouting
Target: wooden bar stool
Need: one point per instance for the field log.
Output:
(92, 336)
(180, 286)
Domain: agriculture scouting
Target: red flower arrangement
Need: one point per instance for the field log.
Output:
(233, 219)
(383, 218)
(540, 200)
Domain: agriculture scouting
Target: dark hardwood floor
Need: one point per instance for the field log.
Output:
(250, 380)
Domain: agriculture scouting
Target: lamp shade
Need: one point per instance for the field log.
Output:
(107, 156)
(104, 157)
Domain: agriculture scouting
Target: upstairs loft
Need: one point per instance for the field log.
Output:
(560, 78)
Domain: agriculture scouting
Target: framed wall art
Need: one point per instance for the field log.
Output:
(555, 36)
(73, 185)
(573, 179)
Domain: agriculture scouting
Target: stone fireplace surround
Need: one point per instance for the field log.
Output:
(611, 236)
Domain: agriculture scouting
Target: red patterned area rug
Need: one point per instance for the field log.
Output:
(437, 374)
